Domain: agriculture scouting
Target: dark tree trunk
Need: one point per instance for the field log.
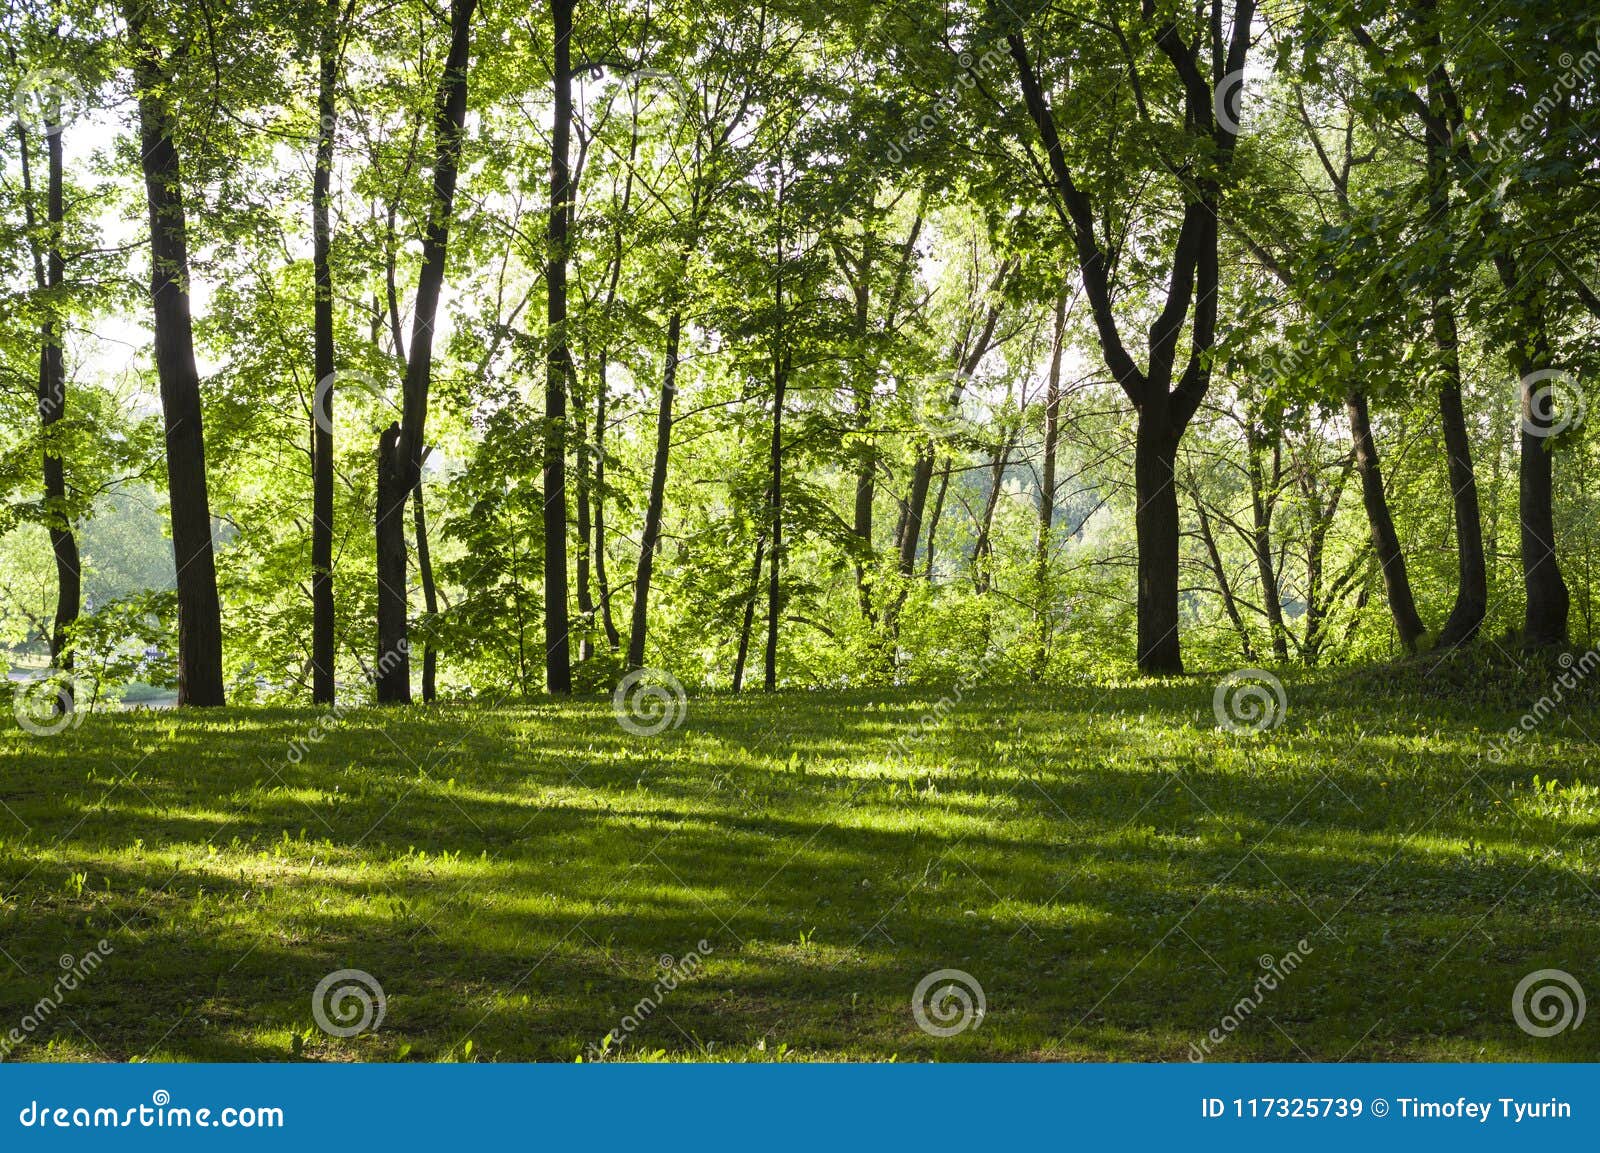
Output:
(1548, 602)
(748, 625)
(775, 522)
(401, 449)
(558, 369)
(199, 611)
(613, 639)
(1472, 588)
(658, 490)
(50, 270)
(1047, 482)
(1263, 504)
(430, 593)
(585, 521)
(392, 674)
(323, 625)
(1156, 528)
(933, 522)
(1230, 603)
(1385, 541)
(983, 549)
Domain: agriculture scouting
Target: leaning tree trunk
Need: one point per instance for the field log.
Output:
(1472, 587)
(199, 611)
(1472, 583)
(323, 625)
(1385, 541)
(658, 491)
(748, 624)
(400, 449)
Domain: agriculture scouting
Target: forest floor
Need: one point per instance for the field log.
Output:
(773, 877)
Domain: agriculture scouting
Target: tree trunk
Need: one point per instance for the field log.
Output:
(775, 522)
(1156, 528)
(585, 522)
(400, 457)
(199, 611)
(1548, 602)
(1047, 481)
(1263, 503)
(933, 522)
(613, 639)
(1385, 541)
(430, 593)
(50, 269)
(1229, 603)
(1472, 589)
(748, 625)
(393, 669)
(323, 624)
(658, 490)
(983, 549)
(558, 368)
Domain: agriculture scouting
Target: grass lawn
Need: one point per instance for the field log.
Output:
(1105, 861)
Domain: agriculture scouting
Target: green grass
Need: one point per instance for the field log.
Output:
(1104, 860)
